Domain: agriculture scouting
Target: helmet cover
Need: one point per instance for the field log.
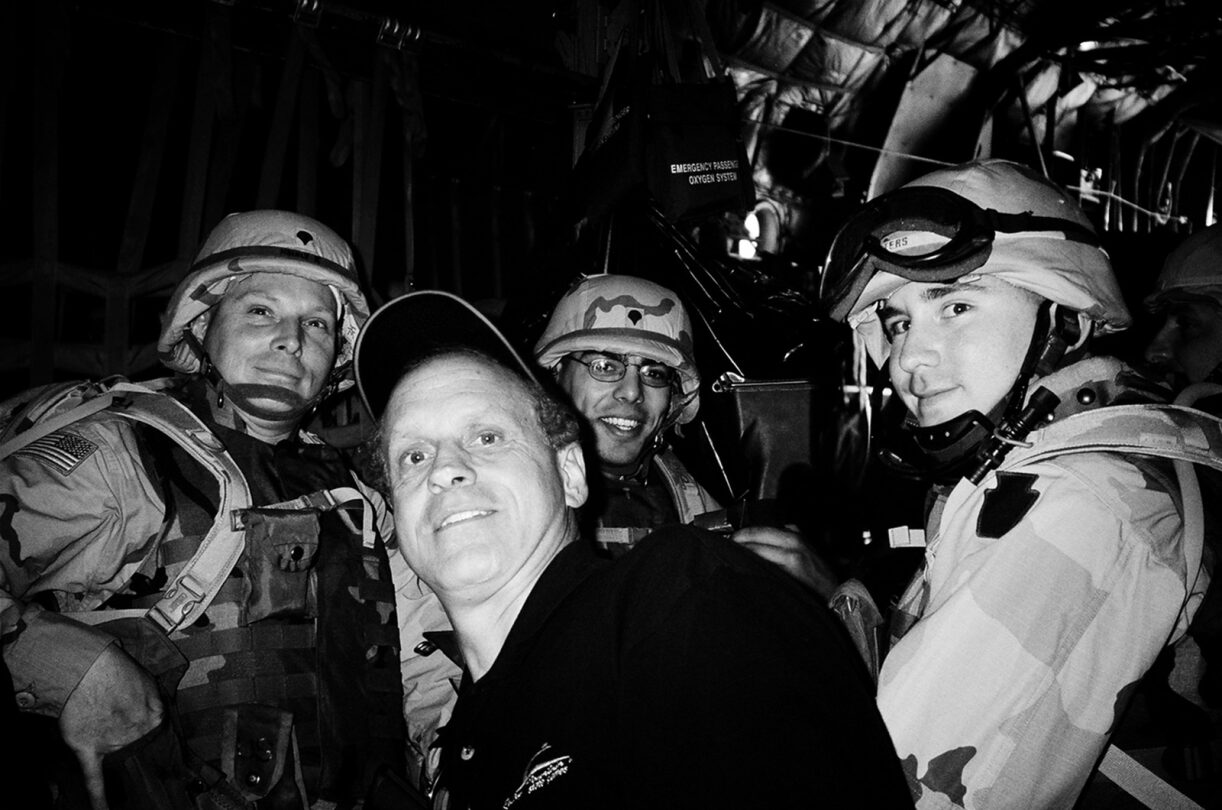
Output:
(1054, 266)
(1193, 269)
(263, 241)
(625, 315)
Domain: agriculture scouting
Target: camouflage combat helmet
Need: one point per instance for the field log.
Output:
(626, 315)
(263, 241)
(990, 217)
(1192, 270)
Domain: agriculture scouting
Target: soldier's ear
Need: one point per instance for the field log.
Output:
(571, 463)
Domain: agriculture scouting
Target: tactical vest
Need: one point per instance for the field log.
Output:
(690, 500)
(279, 605)
(304, 623)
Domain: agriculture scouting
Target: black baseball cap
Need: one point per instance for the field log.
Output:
(417, 324)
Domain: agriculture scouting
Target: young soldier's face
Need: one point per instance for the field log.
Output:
(957, 347)
(625, 414)
(1188, 346)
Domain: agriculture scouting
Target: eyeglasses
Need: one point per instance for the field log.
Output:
(612, 368)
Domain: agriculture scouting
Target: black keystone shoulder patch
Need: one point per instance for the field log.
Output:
(1006, 504)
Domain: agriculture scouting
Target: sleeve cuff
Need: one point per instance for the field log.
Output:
(50, 657)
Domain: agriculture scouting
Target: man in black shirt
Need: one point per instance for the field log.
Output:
(686, 673)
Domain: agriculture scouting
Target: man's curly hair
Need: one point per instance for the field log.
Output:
(557, 419)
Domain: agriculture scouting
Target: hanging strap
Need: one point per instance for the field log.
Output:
(186, 598)
(1182, 434)
(1160, 431)
(108, 390)
(326, 500)
(704, 35)
(1141, 783)
(192, 591)
(38, 431)
(690, 499)
(616, 536)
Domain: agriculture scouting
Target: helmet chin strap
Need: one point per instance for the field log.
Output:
(948, 451)
(638, 468)
(242, 396)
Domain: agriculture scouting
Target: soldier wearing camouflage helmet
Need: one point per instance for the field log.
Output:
(635, 337)
(1186, 352)
(273, 645)
(1188, 299)
(623, 349)
(276, 249)
(1051, 581)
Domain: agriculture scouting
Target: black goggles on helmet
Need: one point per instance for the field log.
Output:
(892, 234)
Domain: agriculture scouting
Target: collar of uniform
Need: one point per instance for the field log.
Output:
(195, 394)
(636, 472)
(1098, 382)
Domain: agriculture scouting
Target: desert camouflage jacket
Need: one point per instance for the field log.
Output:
(1047, 592)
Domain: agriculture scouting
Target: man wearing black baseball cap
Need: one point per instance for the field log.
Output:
(686, 673)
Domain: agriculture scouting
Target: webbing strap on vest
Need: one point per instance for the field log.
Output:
(1162, 431)
(38, 431)
(200, 579)
(189, 594)
(326, 500)
(1141, 783)
(1186, 437)
(621, 535)
(690, 499)
(186, 598)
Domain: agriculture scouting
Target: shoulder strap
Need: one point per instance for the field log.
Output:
(1141, 783)
(620, 536)
(38, 431)
(199, 581)
(197, 584)
(188, 596)
(1185, 436)
(690, 497)
(326, 500)
(1160, 431)
(93, 397)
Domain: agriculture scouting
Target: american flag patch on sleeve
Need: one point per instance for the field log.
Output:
(62, 450)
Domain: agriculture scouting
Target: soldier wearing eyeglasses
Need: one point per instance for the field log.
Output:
(622, 348)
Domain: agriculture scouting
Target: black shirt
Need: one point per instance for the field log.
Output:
(686, 673)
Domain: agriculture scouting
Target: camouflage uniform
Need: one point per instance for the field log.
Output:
(292, 667)
(1047, 592)
(430, 675)
(100, 514)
